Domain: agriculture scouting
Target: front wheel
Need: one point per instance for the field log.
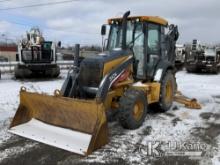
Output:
(133, 109)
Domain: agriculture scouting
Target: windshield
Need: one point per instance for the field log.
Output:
(134, 40)
(115, 37)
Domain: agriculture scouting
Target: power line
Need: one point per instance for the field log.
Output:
(37, 5)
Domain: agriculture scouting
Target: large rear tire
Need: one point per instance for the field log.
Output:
(167, 91)
(133, 109)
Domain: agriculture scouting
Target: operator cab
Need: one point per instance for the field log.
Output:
(144, 37)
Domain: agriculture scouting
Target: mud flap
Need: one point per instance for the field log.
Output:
(74, 125)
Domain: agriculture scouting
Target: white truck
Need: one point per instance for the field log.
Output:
(180, 56)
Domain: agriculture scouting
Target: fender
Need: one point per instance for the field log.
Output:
(161, 70)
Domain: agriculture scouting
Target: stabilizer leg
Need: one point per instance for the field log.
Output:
(188, 102)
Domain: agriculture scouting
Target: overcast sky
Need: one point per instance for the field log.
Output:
(80, 21)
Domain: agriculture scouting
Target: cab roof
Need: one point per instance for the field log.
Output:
(153, 19)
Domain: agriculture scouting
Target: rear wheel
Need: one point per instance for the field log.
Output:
(167, 90)
(133, 109)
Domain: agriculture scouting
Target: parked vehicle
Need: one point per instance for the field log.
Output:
(36, 56)
(202, 58)
(205, 61)
(180, 56)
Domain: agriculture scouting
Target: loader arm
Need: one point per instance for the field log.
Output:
(171, 39)
(110, 78)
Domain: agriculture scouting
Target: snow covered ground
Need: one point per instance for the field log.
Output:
(9, 95)
(179, 125)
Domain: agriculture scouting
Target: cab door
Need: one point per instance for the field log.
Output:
(152, 48)
(139, 52)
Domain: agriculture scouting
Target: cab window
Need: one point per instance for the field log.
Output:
(153, 39)
(138, 49)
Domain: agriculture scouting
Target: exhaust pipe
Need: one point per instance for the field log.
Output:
(124, 29)
(76, 55)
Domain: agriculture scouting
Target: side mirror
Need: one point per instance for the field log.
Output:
(103, 30)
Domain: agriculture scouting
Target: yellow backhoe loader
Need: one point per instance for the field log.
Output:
(135, 70)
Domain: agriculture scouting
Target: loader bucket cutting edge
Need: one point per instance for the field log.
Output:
(75, 125)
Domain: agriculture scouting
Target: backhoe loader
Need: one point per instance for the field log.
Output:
(135, 70)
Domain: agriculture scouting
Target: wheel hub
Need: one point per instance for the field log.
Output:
(169, 91)
(138, 111)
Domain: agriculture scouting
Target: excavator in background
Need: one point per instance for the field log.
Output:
(36, 56)
(135, 70)
(203, 58)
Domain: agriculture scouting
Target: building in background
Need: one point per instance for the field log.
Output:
(8, 53)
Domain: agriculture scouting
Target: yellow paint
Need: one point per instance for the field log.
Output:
(188, 102)
(138, 110)
(110, 103)
(169, 92)
(113, 63)
(152, 91)
(153, 19)
(80, 115)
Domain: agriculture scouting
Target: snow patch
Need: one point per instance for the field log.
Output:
(7, 153)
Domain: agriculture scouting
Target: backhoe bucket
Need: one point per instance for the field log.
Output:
(75, 125)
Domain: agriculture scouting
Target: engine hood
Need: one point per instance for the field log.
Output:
(109, 55)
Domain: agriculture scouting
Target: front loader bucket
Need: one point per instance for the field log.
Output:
(75, 125)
